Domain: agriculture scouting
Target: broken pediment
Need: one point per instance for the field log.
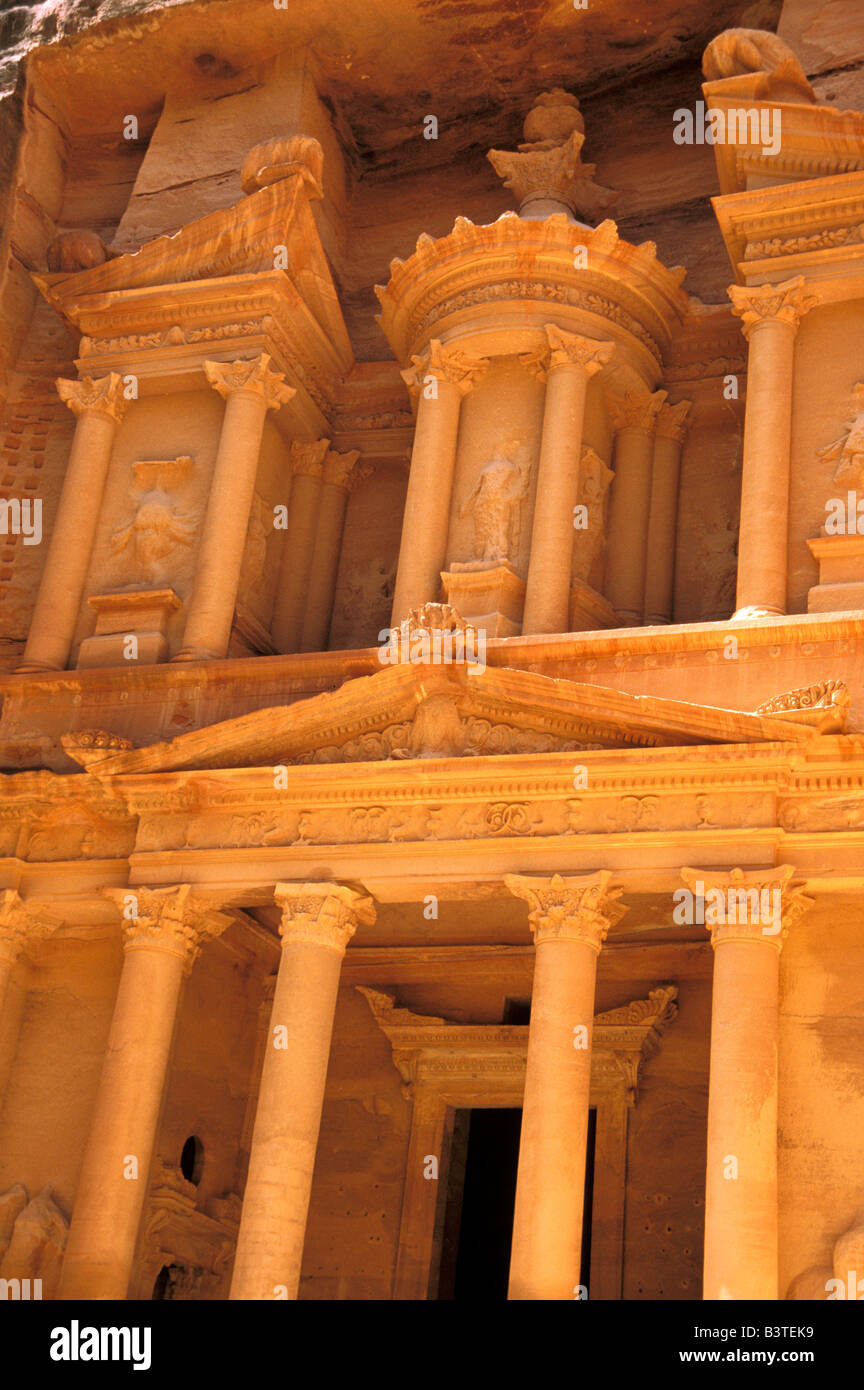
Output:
(411, 711)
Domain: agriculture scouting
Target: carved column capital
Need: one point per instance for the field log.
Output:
(321, 914)
(564, 349)
(671, 421)
(343, 470)
(172, 920)
(569, 909)
(252, 375)
(784, 303)
(637, 410)
(101, 395)
(748, 905)
(308, 459)
(448, 364)
(20, 926)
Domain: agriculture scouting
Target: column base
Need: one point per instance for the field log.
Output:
(36, 668)
(197, 654)
(743, 615)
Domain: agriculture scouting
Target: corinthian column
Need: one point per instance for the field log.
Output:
(572, 361)
(748, 914)
(442, 377)
(289, 609)
(631, 499)
(318, 921)
(163, 931)
(569, 919)
(249, 389)
(770, 315)
(98, 407)
(669, 430)
(341, 474)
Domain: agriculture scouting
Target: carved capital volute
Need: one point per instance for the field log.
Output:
(20, 926)
(307, 460)
(671, 421)
(321, 914)
(343, 470)
(757, 905)
(90, 395)
(172, 920)
(446, 364)
(756, 305)
(638, 410)
(252, 375)
(572, 350)
(569, 909)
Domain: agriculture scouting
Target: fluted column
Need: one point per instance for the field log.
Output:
(770, 315)
(670, 426)
(292, 593)
(572, 361)
(318, 920)
(631, 499)
(162, 937)
(341, 474)
(442, 377)
(569, 919)
(747, 914)
(249, 389)
(98, 406)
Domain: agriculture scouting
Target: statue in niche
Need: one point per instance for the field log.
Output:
(158, 526)
(594, 481)
(848, 451)
(495, 503)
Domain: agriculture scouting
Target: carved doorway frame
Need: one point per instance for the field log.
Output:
(448, 1067)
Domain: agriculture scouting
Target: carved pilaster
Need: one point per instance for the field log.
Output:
(784, 303)
(321, 914)
(671, 421)
(94, 395)
(638, 410)
(253, 376)
(20, 926)
(307, 460)
(172, 920)
(569, 909)
(343, 470)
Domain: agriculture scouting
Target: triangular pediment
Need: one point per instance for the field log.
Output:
(407, 711)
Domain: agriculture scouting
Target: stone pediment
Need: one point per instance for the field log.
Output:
(408, 711)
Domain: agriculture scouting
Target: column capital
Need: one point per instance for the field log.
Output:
(564, 349)
(307, 459)
(748, 905)
(671, 421)
(637, 410)
(321, 914)
(173, 920)
(569, 909)
(445, 363)
(21, 926)
(102, 395)
(784, 303)
(341, 470)
(253, 375)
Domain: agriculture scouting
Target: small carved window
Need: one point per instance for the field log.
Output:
(192, 1159)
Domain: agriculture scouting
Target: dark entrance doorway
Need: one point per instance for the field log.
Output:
(478, 1217)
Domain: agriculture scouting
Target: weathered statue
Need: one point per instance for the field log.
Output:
(848, 450)
(154, 531)
(495, 502)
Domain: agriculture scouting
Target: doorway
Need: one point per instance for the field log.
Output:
(478, 1215)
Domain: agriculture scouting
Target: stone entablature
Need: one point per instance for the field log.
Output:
(467, 288)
